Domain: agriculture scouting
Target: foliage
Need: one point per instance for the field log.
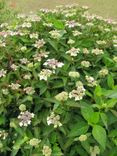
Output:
(58, 78)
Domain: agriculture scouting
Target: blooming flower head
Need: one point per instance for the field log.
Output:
(91, 81)
(14, 67)
(85, 51)
(26, 25)
(29, 90)
(2, 73)
(27, 76)
(25, 118)
(44, 74)
(54, 120)
(34, 35)
(63, 96)
(70, 41)
(73, 51)
(40, 43)
(24, 61)
(78, 93)
(3, 134)
(85, 64)
(15, 86)
(55, 34)
(71, 24)
(52, 63)
(76, 33)
(40, 55)
(74, 74)
(103, 72)
(34, 142)
(97, 51)
(46, 150)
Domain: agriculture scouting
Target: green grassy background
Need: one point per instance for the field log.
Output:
(106, 8)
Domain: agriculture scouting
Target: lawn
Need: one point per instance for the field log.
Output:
(106, 8)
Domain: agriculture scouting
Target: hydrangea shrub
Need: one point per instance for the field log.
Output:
(58, 80)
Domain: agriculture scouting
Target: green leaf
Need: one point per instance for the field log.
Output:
(19, 142)
(95, 117)
(87, 112)
(104, 119)
(78, 129)
(110, 81)
(99, 134)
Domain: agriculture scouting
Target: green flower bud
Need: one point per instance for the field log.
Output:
(83, 138)
(22, 107)
(74, 74)
(63, 96)
(34, 142)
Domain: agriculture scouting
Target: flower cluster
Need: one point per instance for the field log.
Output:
(54, 120)
(25, 118)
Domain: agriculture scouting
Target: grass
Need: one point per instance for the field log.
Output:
(106, 8)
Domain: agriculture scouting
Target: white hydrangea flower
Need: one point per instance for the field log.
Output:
(15, 86)
(34, 142)
(71, 24)
(24, 61)
(3, 73)
(78, 94)
(44, 74)
(46, 150)
(26, 25)
(103, 72)
(74, 74)
(73, 51)
(91, 81)
(53, 63)
(25, 118)
(14, 67)
(85, 51)
(76, 33)
(34, 35)
(63, 96)
(39, 43)
(97, 51)
(40, 55)
(3, 134)
(101, 42)
(54, 120)
(29, 90)
(55, 34)
(70, 41)
(85, 64)
(27, 76)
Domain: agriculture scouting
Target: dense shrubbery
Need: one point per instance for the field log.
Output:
(58, 75)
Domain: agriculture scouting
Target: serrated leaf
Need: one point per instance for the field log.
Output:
(99, 134)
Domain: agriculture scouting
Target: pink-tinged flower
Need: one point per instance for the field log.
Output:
(40, 55)
(71, 24)
(73, 51)
(25, 118)
(52, 63)
(29, 90)
(40, 43)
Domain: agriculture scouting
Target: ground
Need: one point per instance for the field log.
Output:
(106, 8)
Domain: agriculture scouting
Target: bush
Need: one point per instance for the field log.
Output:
(58, 77)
